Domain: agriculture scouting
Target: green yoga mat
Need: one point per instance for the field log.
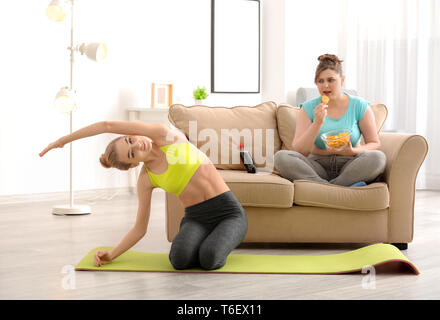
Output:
(347, 262)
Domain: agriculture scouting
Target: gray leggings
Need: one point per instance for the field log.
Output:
(209, 231)
(334, 169)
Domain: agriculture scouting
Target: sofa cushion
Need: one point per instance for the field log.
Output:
(287, 114)
(380, 114)
(286, 118)
(218, 131)
(259, 190)
(372, 197)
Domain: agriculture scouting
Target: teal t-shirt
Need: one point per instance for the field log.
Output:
(350, 120)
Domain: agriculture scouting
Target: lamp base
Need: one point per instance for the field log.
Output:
(67, 210)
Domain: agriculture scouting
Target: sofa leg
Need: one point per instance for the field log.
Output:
(401, 246)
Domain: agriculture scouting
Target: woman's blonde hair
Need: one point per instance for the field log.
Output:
(328, 61)
(109, 159)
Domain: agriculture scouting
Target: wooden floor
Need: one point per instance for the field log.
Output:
(38, 251)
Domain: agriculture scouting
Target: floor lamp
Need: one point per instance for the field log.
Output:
(65, 99)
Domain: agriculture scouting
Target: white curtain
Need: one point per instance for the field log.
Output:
(391, 53)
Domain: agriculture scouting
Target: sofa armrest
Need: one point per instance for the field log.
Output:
(405, 154)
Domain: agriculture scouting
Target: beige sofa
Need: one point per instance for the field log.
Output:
(304, 211)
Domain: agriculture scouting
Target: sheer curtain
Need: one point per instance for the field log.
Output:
(391, 53)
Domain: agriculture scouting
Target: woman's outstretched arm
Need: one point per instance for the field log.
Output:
(157, 132)
(144, 190)
(91, 130)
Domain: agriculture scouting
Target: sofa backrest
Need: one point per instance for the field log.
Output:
(218, 131)
(263, 130)
(286, 119)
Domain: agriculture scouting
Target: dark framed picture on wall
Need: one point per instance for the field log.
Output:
(161, 95)
(235, 46)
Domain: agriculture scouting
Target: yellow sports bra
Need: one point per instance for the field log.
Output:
(183, 161)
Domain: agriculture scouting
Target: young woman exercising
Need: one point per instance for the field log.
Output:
(214, 223)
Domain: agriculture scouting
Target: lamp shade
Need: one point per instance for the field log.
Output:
(95, 51)
(56, 11)
(65, 100)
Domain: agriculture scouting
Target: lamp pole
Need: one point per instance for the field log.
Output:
(95, 51)
(72, 59)
(71, 209)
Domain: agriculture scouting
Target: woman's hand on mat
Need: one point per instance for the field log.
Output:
(320, 112)
(57, 144)
(102, 257)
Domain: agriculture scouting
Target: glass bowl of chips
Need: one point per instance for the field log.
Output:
(336, 139)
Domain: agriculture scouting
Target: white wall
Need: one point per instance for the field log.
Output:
(311, 30)
(148, 41)
(273, 50)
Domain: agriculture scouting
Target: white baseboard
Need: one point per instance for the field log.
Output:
(64, 197)
(432, 181)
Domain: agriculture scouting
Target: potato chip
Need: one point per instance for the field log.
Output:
(338, 140)
(325, 99)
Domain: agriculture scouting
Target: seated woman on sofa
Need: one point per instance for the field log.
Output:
(311, 159)
(214, 223)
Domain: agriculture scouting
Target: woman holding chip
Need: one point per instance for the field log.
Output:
(326, 147)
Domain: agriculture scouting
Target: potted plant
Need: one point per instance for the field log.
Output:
(199, 95)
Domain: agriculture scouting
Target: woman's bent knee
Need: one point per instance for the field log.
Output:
(210, 259)
(285, 159)
(375, 159)
(278, 158)
(180, 259)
